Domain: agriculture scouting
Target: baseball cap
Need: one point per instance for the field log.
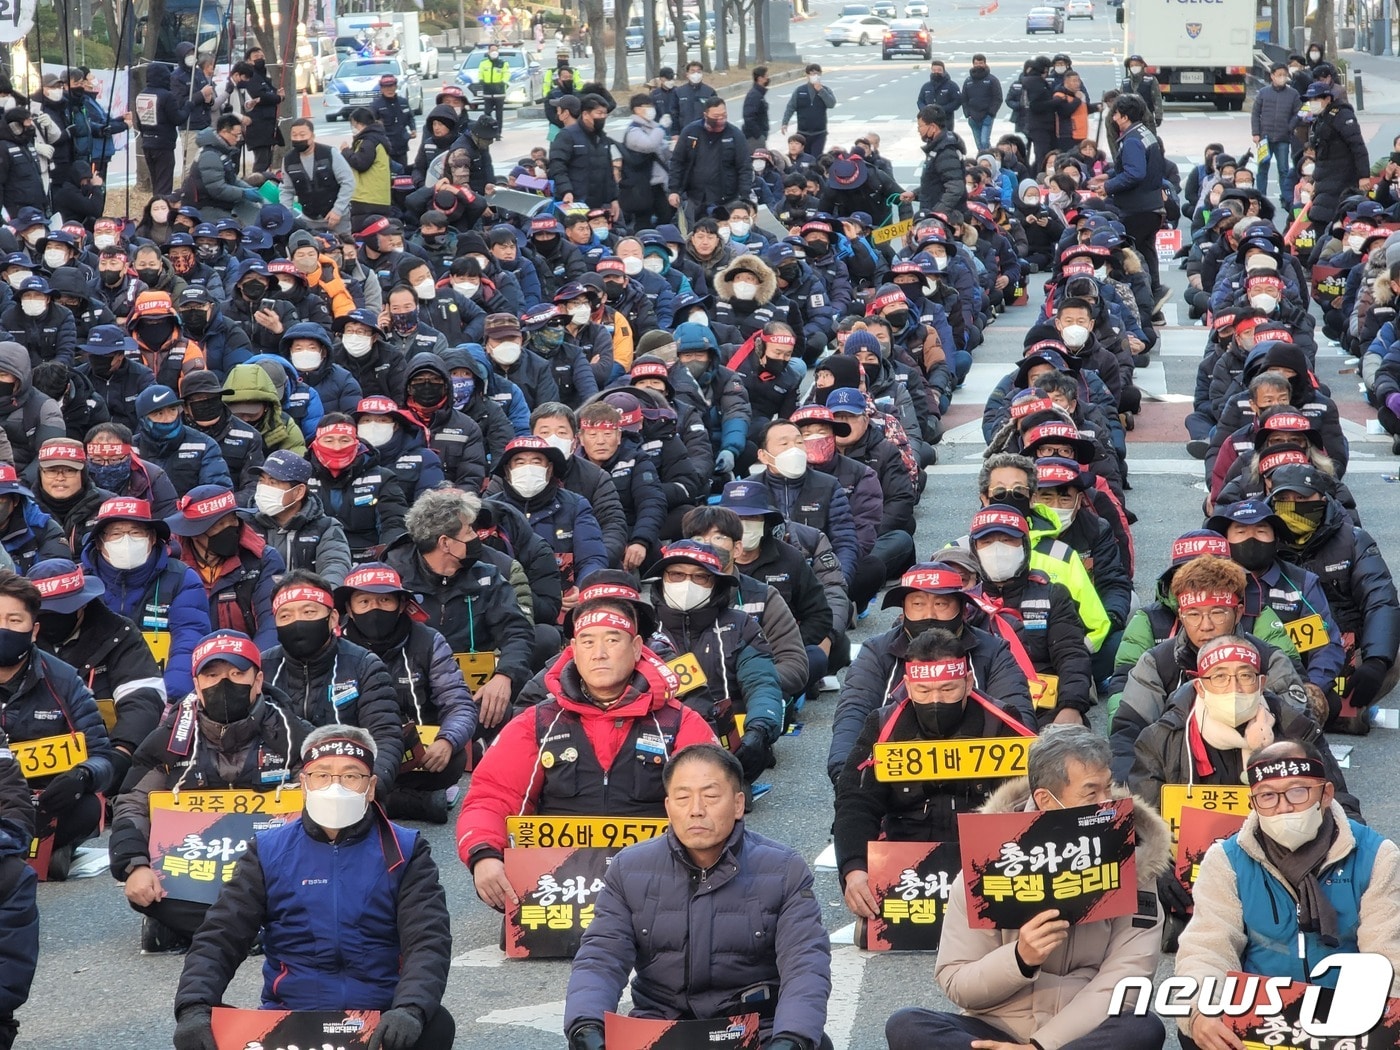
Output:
(847, 400)
(232, 647)
(200, 508)
(286, 466)
(63, 586)
(999, 519)
(924, 578)
(154, 398)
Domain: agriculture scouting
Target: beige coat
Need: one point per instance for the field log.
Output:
(1069, 995)
(1214, 940)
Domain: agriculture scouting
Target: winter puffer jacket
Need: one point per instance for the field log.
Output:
(46, 698)
(512, 777)
(345, 683)
(1069, 996)
(29, 417)
(163, 596)
(250, 382)
(750, 923)
(879, 669)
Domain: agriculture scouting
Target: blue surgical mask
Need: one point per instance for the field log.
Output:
(162, 431)
(110, 476)
(463, 387)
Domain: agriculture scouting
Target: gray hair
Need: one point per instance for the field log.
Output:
(1005, 459)
(1047, 764)
(338, 731)
(438, 513)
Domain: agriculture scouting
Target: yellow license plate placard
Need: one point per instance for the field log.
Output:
(476, 668)
(973, 759)
(687, 669)
(1045, 693)
(1220, 798)
(46, 756)
(1308, 633)
(224, 800)
(159, 644)
(585, 832)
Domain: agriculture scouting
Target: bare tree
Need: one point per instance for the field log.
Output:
(597, 38)
(743, 10)
(621, 16)
(703, 11)
(678, 20)
(1324, 28)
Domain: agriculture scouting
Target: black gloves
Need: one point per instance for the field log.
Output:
(1366, 681)
(587, 1035)
(194, 1029)
(398, 1029)
(754, 754)
(1176, 898)
(787, 1042)
(65, 790)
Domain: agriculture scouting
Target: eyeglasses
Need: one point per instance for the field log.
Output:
(1266, 801)
(1222, 679)
(354, 781)
(1214, 613)
(999, 495)
(700, 576)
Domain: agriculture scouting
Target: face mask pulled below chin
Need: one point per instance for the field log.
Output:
(1001, 561)
(685, 596)
(1293, 830)
(336, 807)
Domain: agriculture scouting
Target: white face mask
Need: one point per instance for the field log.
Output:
(34, 236)
(759, 166)
(104, 240)
(158, 215)
(724, 234)
(668, 84)
(632, 265)
(739, 228)
(306, 360)
(1307, 169)
(55, 257)
(653, 264)
(1001, 561)
(1074, 335)
(375, 434)
(753, 534)
(1232, 708)
(745, 290)
(685, 596)
(189, 61)
(53, 94)
(529, 480)
(1065, 517)
(580, 314)
(269, 500)
(813, 79)
(648, 113)
(127, 552)
(699, 317)
(1135, 70)
(285, 284)
(357, 344)
(33, 308)
(1263, 301)
(791, 462)
(336, 807)
(1032, 200)
(506, 353)
(1356, 243)
(1316, 105)
(695, 78)
(425, 289)
(563, 444)
(1293, 830)
(466, 289)
(1101, 272)
(18, 278)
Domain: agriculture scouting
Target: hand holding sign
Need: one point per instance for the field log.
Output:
(143, 887)
(859, 898)
(1038, 938)
(492, 886)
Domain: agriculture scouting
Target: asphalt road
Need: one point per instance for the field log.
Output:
(94, 990)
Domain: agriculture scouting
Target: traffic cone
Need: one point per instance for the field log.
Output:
(306, 104)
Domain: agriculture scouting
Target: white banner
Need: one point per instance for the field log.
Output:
(16, 19)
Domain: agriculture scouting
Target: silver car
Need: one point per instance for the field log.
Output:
(356, 83)
(855, 29)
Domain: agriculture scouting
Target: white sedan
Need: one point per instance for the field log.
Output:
(1080, 9)
(856, 29)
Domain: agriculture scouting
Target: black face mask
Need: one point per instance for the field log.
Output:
(156, 332)
(224, 544)
(205, 409)
(228, 701)
(914, 628)
(1254, 555)
(377, 624)
(939, 720)
(103, 365)
(789, 273)
(427, 394)
(898, 319)
(55, 627)
(196, 322)
(112, 278)
(473, 552)
(303, 639)
(252, 290)
(14, 646)
(301, 147)
(1021, 503)
(150, 276)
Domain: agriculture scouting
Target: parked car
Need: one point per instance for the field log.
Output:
(916, 9)
(907, 36)
(855, 29)
(429, 62)
(1039, 19)
(1080, 9)
(356, 83)
(524, 87)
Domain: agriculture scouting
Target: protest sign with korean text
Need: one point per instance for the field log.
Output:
(290, 1029)
(911, 882)
(557, 888)
(196, 851)
(740, 1032)
(1079, 861)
